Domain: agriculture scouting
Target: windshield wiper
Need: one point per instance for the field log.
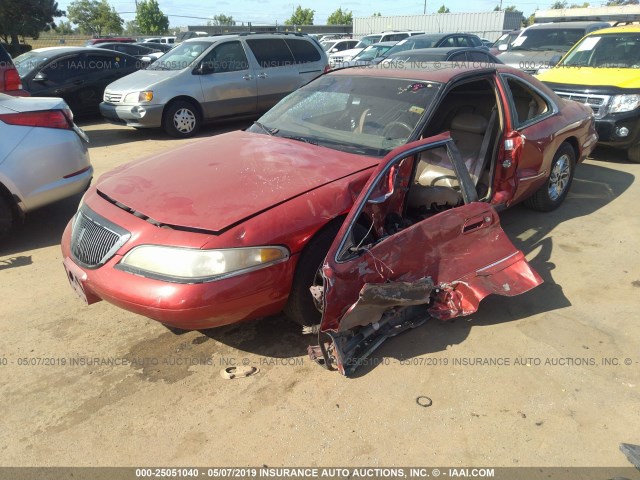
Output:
(268, 131)
(300, 139)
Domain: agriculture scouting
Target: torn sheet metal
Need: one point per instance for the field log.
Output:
(383, 310)
(632, 452)
(376, 298)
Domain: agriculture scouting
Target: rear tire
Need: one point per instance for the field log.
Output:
(181, 119)
(633, 154)
(301, 307)
(553, 192)
(6, 217)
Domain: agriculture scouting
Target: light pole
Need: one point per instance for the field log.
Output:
(425, 7)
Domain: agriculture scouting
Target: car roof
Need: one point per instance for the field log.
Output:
(441, 35)
(437, 52)
(389, 43)
(211, 39)
(444, 72)
(583, 24)
(63, 50)
(619, 29)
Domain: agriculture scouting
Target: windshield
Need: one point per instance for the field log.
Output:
(328, 45)
(372, 52)
(356, 114)
(506, 39)
(557, 39)
(620, 50)
(413, 43)
(368, 40)
(180, 57)
(27, 62)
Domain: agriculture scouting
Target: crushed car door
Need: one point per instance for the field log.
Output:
(405, 244)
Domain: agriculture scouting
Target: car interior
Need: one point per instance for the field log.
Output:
(471, 113)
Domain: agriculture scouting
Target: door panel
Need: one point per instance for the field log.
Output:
(462, 249)
(230, 87)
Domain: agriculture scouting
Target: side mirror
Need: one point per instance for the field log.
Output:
(333, 50)
(40, 77)
(503, 48)
(554, 60)
(204, 68)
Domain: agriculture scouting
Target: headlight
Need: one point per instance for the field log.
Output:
(624, 103)
(191, 265)
(139, 97)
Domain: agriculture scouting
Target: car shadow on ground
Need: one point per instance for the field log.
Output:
(40, 228)
(613, 155)
(594, 187)
(116, 135)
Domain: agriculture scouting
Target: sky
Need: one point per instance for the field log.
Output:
(272, 11)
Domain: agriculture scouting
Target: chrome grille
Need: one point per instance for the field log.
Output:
(112, 97)
(94, 239)
(598, 103)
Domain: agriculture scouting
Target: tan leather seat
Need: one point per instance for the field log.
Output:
(467, 131)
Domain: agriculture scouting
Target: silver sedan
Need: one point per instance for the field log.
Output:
(43, 156)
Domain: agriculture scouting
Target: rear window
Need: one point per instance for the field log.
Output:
(271, 52)
(303, 51)
(394, 37)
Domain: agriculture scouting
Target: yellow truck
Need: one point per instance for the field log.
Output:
(603, 71)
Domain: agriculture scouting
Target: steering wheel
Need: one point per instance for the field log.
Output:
(443, 177)
(389, 128)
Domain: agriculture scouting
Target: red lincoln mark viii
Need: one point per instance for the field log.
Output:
(364, 192)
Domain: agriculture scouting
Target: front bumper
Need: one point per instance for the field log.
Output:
(142, 116)
(611, 127)
(186, 306)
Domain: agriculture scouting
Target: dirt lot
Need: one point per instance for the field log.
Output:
(566, 391)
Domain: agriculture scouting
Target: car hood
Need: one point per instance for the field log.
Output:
(221, 181)
(592, 77)
(516, 58)
(140, 80)
(346, 53)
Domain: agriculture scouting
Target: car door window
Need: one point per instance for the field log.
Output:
(62, 69)
(459, 57)
(528, 105)
(271, 52)
(415, 188)
(448, 42)
(228, 57)
(303, 51)
(462, 41)
(478, 57)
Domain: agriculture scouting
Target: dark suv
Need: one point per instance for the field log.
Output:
(10, 82)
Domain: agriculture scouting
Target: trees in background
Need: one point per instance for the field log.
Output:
(222, 19)
(150, 19)
(95, 17)
(301, 16)
(340, 17)
(26, 18)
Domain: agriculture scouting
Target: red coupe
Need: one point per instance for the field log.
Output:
(364, 192)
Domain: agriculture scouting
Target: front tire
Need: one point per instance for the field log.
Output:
(181, 119)
(633, 154)
(302, 307)
(553, 192)
(6, 217)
